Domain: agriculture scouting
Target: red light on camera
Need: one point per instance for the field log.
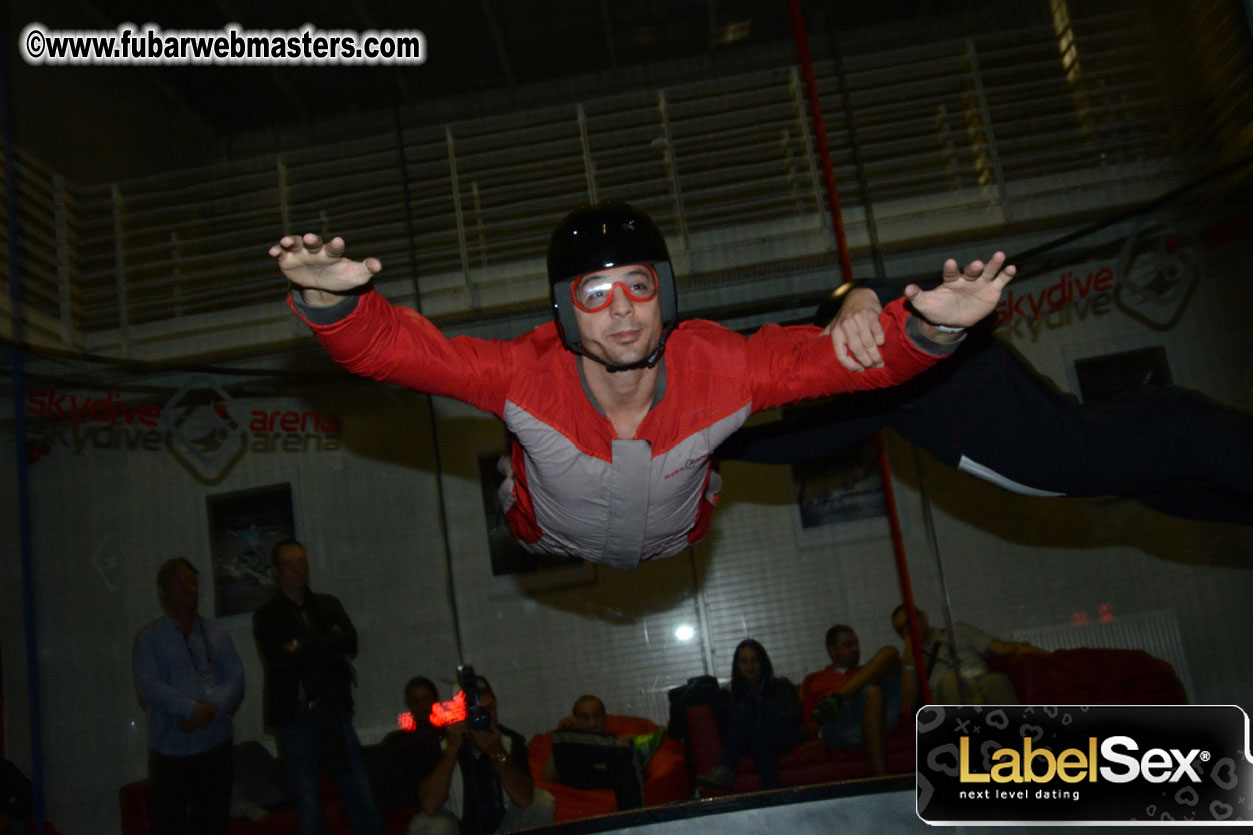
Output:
(448, 713)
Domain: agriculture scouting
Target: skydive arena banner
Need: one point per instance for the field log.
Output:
(1084, 765)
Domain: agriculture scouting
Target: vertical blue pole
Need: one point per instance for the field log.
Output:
(19, 440)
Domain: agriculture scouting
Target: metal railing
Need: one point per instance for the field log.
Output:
(982, 121)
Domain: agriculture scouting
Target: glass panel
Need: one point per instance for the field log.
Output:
(166, 406)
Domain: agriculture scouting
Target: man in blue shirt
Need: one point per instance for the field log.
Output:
(190, 680)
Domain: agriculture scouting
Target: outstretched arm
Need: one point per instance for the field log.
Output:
(320, 270)
(368, 335)
(962, 299)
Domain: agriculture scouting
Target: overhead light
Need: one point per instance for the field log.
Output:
(732, 32)
(684, 633)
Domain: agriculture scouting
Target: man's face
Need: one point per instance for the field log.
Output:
(419, 701)
(901, 623)
(590, 716)
(292, 569)
(846, 651)
(625, 331)
(181, 592)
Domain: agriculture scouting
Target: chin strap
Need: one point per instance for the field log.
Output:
(648, 362)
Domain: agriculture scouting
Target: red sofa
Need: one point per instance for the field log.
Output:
(1091, 677)
(1069, 676)
(665, 777)
(811, 762)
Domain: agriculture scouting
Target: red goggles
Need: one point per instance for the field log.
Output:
(594, 291)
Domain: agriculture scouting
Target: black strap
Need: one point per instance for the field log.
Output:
(931, 655)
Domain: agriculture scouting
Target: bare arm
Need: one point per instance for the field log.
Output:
(548, 773)
(433, 789)
(516, 782)
(882, 666)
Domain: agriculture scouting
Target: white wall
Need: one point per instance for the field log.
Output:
(370, 515)
(1013, 563)
(362, 511)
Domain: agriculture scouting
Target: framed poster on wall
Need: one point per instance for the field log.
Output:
(244, 526)
(840, 496)
(1108, 376)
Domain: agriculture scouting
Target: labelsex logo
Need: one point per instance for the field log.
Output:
(1040, 765)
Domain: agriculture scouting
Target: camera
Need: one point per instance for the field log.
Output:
(477, 716)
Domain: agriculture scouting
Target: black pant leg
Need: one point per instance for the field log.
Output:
(1170, 448)
(984, 410)
(812, 431)
(213, 776)
(171, 784)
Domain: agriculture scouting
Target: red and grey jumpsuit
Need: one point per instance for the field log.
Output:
(576, 488)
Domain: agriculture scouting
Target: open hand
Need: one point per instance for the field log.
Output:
(455, 735)
(966, 296)
(321, 268)
(489, 741)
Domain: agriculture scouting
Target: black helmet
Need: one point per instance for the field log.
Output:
(600, 236)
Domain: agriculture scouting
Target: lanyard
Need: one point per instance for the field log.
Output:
(205, 672)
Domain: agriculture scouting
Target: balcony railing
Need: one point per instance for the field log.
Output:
(995, 123)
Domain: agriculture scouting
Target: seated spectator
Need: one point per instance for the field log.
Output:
(478, 786)
(957, 663)
(406, 756)
(583, 756)
(587, 715)
(421, 694)
(854, 704)
(765, 718)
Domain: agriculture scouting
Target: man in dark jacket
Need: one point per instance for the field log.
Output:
(305, 640)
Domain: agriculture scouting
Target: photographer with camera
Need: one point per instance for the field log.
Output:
(479, 786)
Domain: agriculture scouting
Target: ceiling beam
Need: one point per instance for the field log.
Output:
(294, 101)
(368, 22)
(712, 5)
(500, 43)
(609, 36)
(153, 76)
